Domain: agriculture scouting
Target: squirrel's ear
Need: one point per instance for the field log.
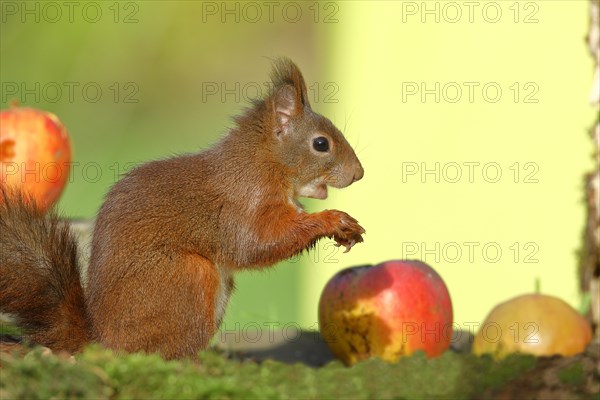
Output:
(285, 106)
(289, 96)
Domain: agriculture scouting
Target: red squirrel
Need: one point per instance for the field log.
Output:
(171, 233)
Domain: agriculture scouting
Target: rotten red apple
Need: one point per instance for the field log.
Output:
(388, 310)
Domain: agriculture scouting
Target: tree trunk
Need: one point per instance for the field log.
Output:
(590, 258)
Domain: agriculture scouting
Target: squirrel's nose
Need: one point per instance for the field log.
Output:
(358, 173)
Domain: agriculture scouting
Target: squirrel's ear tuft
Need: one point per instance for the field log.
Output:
(286, 73)
(289, 95)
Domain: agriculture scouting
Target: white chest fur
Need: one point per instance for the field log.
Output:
(223, 293)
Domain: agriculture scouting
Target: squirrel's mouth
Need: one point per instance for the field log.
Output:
(314, 190)
(320, 192)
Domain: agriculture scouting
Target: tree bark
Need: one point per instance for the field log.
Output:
(589, 270)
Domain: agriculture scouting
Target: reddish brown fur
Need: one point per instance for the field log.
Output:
(172, 232)
(39, 276)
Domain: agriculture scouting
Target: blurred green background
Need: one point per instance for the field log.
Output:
(499, 87)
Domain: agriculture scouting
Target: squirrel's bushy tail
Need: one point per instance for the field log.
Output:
(40, 284)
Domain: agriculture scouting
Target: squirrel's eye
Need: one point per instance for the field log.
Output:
(321, 144)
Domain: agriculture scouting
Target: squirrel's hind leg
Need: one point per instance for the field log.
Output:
(175, 311)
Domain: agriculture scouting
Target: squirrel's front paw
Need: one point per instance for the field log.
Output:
(347, 231)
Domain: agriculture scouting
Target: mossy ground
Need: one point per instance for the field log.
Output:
(100, 374)
(37, 373)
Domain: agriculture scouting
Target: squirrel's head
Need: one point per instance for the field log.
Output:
(308, 144)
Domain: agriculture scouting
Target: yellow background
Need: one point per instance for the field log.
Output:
(381, 46)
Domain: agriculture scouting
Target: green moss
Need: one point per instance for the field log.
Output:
(99, 373)
(6, 328)
(42, 377)
(573, 375)
(498, 373)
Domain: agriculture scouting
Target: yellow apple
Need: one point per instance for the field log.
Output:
(533, 323)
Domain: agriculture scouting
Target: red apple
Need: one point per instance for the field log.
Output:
(388, 310)
(533, 323)
(35, 153)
